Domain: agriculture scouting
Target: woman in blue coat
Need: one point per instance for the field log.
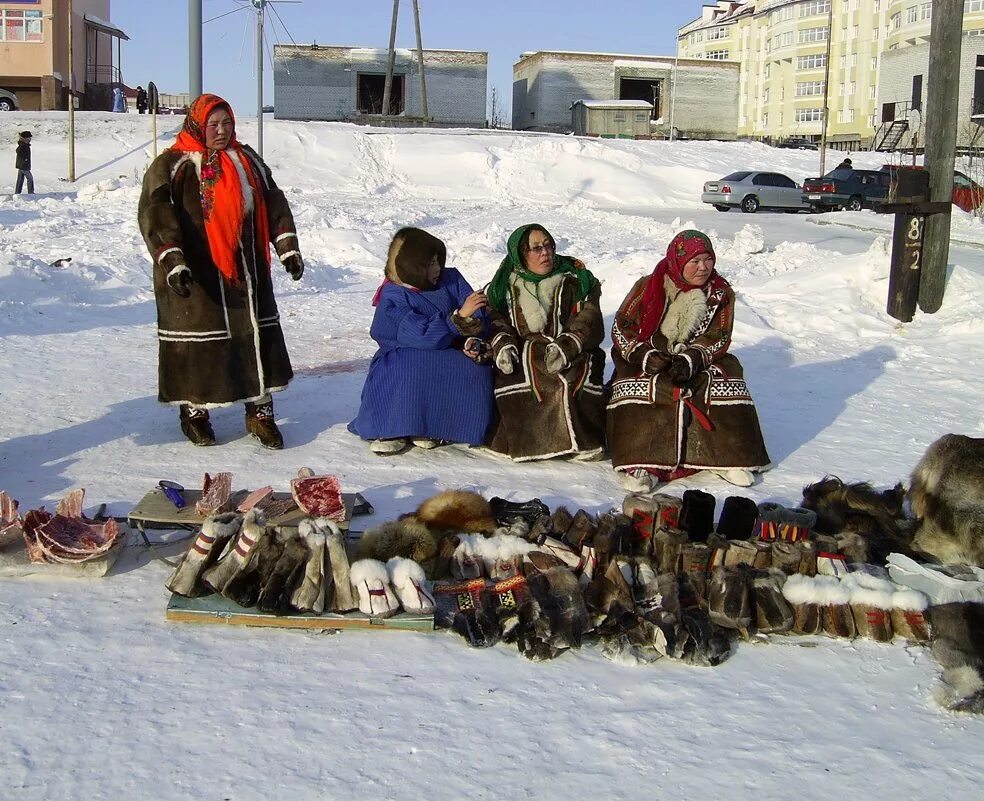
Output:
(427, 384)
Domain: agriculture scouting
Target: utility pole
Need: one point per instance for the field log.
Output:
(71, 97)
(260, 6)
(388, 85)
(194, 48)
(420, 60)
(676, 71)
(941, 140)
(826, 90)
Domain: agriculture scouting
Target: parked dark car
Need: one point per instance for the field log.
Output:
(751, 190)
(798, 144)
(846, 188)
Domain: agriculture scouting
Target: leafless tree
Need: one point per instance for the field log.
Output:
(496, 119)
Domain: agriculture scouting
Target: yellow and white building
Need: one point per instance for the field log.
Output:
(786, 60)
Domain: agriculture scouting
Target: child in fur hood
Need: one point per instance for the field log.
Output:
(426, 385)
(679, 403)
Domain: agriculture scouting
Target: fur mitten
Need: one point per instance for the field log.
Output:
(465, 563)
(371, 580)
(697, 514)
(506, 359)
(554, 359)
(738, 516)
(466, 608)
(411, 586)
(958, 645)
(203, 553)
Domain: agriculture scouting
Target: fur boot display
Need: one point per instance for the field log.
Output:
(286, 576)
(738, 518)
(244, 587)
(697, 514)
(216, 533)
(871, 603)
(729, 597)
(370, 579)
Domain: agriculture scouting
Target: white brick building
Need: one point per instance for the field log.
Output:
(316, 82)
(699, 97)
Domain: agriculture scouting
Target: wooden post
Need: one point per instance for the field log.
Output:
(903, 278)
(388, 85)
(71, 99)
(420, 60)
(826, 91)
(941, 139)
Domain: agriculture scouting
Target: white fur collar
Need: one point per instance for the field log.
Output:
(685, 315)
(536, 308)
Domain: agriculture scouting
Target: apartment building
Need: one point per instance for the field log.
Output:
(789, 50)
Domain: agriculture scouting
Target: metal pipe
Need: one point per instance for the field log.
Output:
(826, 90)
(420, 60)
(388, 84)
(260, 5)
(194, 48)
(71, 98)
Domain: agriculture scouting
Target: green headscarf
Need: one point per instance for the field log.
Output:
(498, 288)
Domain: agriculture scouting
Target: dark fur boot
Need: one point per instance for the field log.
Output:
(697, 514)
(738, 516)
(277, 591)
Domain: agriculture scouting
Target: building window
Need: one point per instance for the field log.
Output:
(765, 120)
(872, 92)
(850, 88)
(765, 72)
(809, 114)
(896, 21)
(718, 33)
(912, 14)
(978, 32)
(816, 61)
(809, 88)
(717, 55)
(21, 26)
(782, 40)
(874, 63)
(854, 59)
(926, 11)
(814, 8)
(765, 97)
(876, 33)
(814, 35)
(973, 5)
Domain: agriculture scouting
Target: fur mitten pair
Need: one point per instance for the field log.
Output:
(384, 588)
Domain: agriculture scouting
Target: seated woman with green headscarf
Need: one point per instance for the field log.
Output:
(546, 331)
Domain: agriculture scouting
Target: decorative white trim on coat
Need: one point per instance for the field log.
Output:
(160, 257)
(285, 236)
(288, 254)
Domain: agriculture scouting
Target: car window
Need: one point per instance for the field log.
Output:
(961, 180)
(782, 180)
(842, 174)
(763, 179)
(736, 176)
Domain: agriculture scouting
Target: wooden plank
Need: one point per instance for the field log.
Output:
(215, 609)
(154, 510)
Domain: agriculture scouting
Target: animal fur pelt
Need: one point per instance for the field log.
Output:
(946, 493)
(958, 645)
(869, 524)
(421, 534)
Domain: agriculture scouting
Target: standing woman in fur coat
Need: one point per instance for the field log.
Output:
(209, 212)
(547, 329)
(679, 403)
(426, 385)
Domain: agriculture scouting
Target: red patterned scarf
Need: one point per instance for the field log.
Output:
(682, 248)
(221, 190)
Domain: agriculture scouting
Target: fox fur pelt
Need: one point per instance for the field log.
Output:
(425, 535)
(946, 493)
(868, 524)
(958, 645)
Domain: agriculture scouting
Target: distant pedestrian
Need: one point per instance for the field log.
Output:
(141, 100)
(23, 163)
(119, 105)
(845, 165)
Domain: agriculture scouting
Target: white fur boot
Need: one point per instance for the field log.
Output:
(371, 581)
(411, 586)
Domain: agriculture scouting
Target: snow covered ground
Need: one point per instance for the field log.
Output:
(100, 698)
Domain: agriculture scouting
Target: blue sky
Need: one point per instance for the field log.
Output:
(158, 49)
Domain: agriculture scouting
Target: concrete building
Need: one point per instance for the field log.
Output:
(782, 48)
(698, 98)
(317, 82)
(34, 52)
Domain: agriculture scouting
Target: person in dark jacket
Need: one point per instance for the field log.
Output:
(845, 165)
(23, 163)
(141, 100)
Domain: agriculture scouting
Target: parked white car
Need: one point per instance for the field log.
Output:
(8, 101)
(751, 191)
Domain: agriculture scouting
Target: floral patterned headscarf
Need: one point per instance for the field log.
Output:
(221, 190)
(682, 248)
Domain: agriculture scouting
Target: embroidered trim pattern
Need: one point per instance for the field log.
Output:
(210, 173)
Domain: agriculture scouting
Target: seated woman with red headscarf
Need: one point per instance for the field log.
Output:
(679, 403)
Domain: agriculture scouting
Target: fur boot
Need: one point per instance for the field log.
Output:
(738, 517)
(767, 525)
(835, 613)
(203, 553)
(237, 554)
(796, 524)
(805, 600)
(244, 588)
(697, 514)
(871, 603)
(465, 563)
(958, 645)
(371, 580)
(466, 608)
(787, 556)
(740, 552)
(831, 563)
(701, 643)
(613, 531)
(729, 601)
(343, 595)
(581, 531)
(808, 558)
(558, 593)
(286, 577)
(668, 549)
(909, 615)
(310, 593)
(408, 581)
(696, 565)
(773, 615)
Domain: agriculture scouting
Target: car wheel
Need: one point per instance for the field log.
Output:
(855, 203)
(6, 104)
(750, 204)
(722, 207)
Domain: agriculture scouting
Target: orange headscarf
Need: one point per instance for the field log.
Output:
(221, 190)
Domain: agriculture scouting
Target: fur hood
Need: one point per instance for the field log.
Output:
(410, 255)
